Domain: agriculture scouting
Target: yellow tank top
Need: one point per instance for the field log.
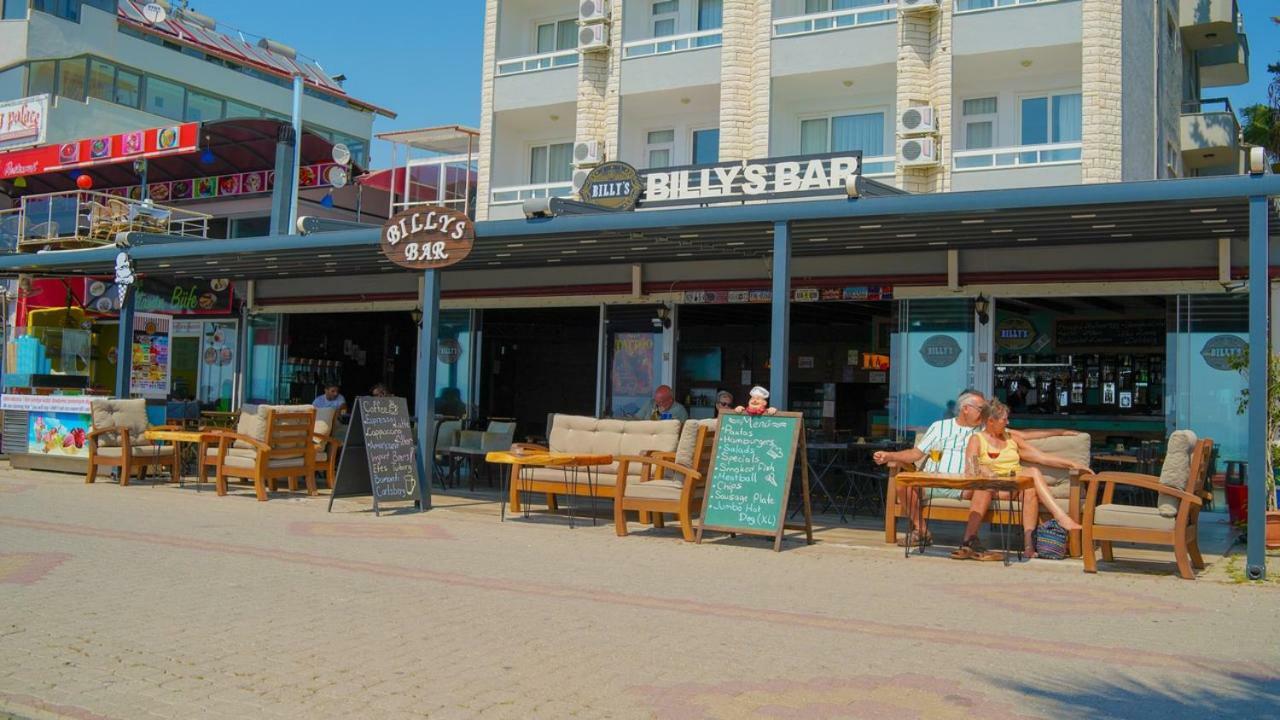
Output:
(1006, 462)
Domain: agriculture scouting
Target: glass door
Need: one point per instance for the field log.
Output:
(932, 360)
(1207, 335)
(634, 357)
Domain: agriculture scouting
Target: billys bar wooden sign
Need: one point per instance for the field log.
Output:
(798, 176)
(428, 238)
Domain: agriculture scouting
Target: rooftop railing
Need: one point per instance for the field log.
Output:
(82, 218)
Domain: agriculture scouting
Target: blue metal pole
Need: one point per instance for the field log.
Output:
(297, 155)
(1259, 440)
(425, 387)
(124, 345)
(780, 332)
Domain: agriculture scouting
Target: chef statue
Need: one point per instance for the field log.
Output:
(759, 403)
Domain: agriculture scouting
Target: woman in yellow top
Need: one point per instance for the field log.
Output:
(992, 452)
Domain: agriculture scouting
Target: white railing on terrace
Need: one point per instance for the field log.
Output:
(673, 43)
(541, 61)
(83, 218)
(878, 166)
(835, 20)
(1013, 157)
(513, 194)
(967, 6)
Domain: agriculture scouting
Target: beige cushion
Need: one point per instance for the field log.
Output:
(252, 425)
(1176, 470)
(688, 444)
(112, 413)
(1132, 516)
(248, 462)
(233, 451)
(587, 435)
(655, 489)
(136, 451)
(324, 421)
(1068, 447)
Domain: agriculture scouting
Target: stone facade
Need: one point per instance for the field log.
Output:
(745, 79)
(599, 91)
(924, 77)
(483, 164)
(1101, 83)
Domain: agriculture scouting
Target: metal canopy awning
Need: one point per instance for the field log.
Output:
(1159, 211)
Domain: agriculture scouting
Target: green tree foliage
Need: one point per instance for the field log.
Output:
(1261, 122)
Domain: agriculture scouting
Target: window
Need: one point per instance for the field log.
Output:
(551, 163)
(240, 110)
(980, 123)
(164, 98)
(706, 146)
(71, 78)
(1051, 119)
(821, 6)
(102, 76)
(659, 147)
(202, 107)
(128, 88)
(665, 14)
(710, 14)
(67, 9)
(842, 133)
(42, 77)
(559, 35)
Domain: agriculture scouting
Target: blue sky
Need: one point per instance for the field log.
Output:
(421, 58)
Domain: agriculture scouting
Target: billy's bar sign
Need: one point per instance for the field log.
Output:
(427, 237)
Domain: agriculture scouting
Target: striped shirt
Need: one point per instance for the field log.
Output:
(952, 439)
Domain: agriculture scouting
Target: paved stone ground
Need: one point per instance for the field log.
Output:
(158, 602)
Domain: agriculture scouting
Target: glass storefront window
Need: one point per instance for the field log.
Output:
(201, 107)
(101, 76)
(127, 88)
(634, 359)
(71, 78)
(164, 98)
(218, 362)
(932, 360)
(453, 362)
(42, 77)
(1206, 332)
(265, 347)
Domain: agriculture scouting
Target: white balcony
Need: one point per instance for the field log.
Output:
(1001, 26)
(970, 6)
(516, 194)
(1209, 23)
(534, 63)
(878, 167)
(835, 20)
(1225, 65)
(1017, 157)
(673, 44)
(1210, 135)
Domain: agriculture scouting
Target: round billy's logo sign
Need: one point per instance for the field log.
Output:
(1015, 334)
(428, 238)
(940, 351)
(613, 186)
(1220, 350)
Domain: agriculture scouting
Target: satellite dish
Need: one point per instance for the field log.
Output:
(341, 154)
(154, 13)
(337, 176)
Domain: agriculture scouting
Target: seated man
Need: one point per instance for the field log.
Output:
(948, 440)
(663, 406)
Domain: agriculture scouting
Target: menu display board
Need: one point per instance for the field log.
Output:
(750, 476)
(149, 372)
(379, 458)
(1108, 335)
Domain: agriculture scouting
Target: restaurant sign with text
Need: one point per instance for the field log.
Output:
(428, 237)
(23, 121)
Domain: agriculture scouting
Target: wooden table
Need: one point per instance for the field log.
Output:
(568, 461)
(1015, 486)
(179, 438)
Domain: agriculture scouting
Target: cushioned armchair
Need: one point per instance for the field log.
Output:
(1174, 522)
(116, 440)
(275, 442)
(664, 482)
(327, 446)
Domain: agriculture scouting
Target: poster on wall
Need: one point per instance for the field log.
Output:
(633, 375)
(218, 363)
(55, 433)
(149, 376)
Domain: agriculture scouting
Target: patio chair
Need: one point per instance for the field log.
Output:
(473, 445)
(275, 442)
(99, 221)
(327, 446)
(667, 483)
(116, 440)
(118, 212)
(447, 430)
(1173, 523)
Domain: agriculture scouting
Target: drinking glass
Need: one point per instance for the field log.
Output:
(935, 455)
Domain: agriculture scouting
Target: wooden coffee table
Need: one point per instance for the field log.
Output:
(185, 440)
(1014, 485)
(571, 462)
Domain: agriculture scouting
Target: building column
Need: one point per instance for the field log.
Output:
(1259, 435)
(599, 91)
(924, 78)
(1101, 85)
(483, 165)
(425, 384)
(745, 68)
(780, 330)
(124, 344)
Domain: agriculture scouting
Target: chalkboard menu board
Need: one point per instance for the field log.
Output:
(1101, 335)
(379, 458)
(749, 481)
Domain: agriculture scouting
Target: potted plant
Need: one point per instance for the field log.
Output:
(1241, 363)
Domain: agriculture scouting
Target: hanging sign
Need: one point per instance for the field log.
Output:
(770, 178)
(612, 186)
(428, 238)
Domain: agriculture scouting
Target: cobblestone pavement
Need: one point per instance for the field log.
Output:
(158, 602)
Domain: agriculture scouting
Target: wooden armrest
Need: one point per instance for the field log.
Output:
(624, 460)
(668, 455)
(227, 437)
(93, 434)
(1148, 482)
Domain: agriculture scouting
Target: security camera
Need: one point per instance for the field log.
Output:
(538, 208)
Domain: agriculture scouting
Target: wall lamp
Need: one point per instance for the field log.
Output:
(982, 306)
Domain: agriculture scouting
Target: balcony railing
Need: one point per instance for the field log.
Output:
(541, 61)
(519, 193)
(673, 43)
(836, 20)
(1015, 157)
(881, 166)
(76, 219)
(1209, 105)
(967, 6)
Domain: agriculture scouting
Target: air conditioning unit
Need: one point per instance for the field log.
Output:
(580, 179)
(918, 152)
(590, 11)
(917, 120)
(593, 38)
(586, 153)
(910, 6)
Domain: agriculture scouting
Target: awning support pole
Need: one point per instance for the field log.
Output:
(426, 382)
(780, 332)
(1259, 355)
(124, 345)
(297, 155)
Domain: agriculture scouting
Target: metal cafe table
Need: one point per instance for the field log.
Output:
(1002, 518)
(572, 463)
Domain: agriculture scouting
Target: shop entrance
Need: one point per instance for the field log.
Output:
(839, 361)
(354, 350)
(539, 361)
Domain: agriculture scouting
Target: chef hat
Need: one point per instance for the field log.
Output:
(760, 392)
